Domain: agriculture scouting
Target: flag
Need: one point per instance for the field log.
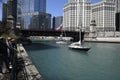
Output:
(59, 28)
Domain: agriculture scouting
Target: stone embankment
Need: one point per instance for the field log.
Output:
(29, 70)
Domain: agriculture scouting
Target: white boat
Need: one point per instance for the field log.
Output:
(61, 41)
(78, 46)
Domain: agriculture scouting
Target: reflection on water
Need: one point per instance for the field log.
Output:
(58, 62)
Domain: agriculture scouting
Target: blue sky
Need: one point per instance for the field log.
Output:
(54, 7)
(1, 8)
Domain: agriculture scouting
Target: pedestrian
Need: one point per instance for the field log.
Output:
(10, 51)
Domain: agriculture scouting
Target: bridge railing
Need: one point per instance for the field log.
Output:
(73, 34)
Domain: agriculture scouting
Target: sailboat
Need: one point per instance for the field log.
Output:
(79, 45)
(61, 40)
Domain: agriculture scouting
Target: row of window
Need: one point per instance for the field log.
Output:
(35, 22)
(103, 8)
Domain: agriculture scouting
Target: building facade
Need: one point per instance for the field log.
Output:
(104, 14)
(29, 6)
(57, 21)
(10, 9)
(4, 12)
(32, 14)
(77, 14)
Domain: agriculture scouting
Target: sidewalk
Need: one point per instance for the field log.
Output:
(104, 39)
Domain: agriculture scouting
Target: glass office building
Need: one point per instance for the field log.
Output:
(31, 14)
(28, 6)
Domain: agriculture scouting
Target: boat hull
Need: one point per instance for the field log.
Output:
(85, 49)
(61, 42)
(79, 48)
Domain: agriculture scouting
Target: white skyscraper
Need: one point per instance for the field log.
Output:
(104, 14)
(84, 12)
(77, 13)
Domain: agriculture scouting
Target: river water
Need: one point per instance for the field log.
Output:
(58, 62)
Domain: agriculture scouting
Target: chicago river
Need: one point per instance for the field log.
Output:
(58, 62)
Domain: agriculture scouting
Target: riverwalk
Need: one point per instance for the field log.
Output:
(103, 39)
(26, 70)
(30, 70)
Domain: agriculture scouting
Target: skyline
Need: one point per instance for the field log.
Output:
(50, 7)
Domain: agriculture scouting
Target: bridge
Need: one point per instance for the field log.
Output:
(73, 34)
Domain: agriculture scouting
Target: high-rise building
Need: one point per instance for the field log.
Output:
(9, 9)
(4, 12)
(32, 14)
(57, 21)
(29, 6)
(77, 14)
(104, 14)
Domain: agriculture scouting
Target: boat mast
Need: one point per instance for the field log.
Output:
(78, 19)
(80, 41)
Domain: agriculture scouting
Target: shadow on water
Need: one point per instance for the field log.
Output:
(39, 46)
(80, 51)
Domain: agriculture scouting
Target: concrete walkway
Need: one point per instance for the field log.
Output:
(104, 39)
(30, 69)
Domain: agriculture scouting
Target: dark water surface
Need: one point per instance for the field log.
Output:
(58, 62)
